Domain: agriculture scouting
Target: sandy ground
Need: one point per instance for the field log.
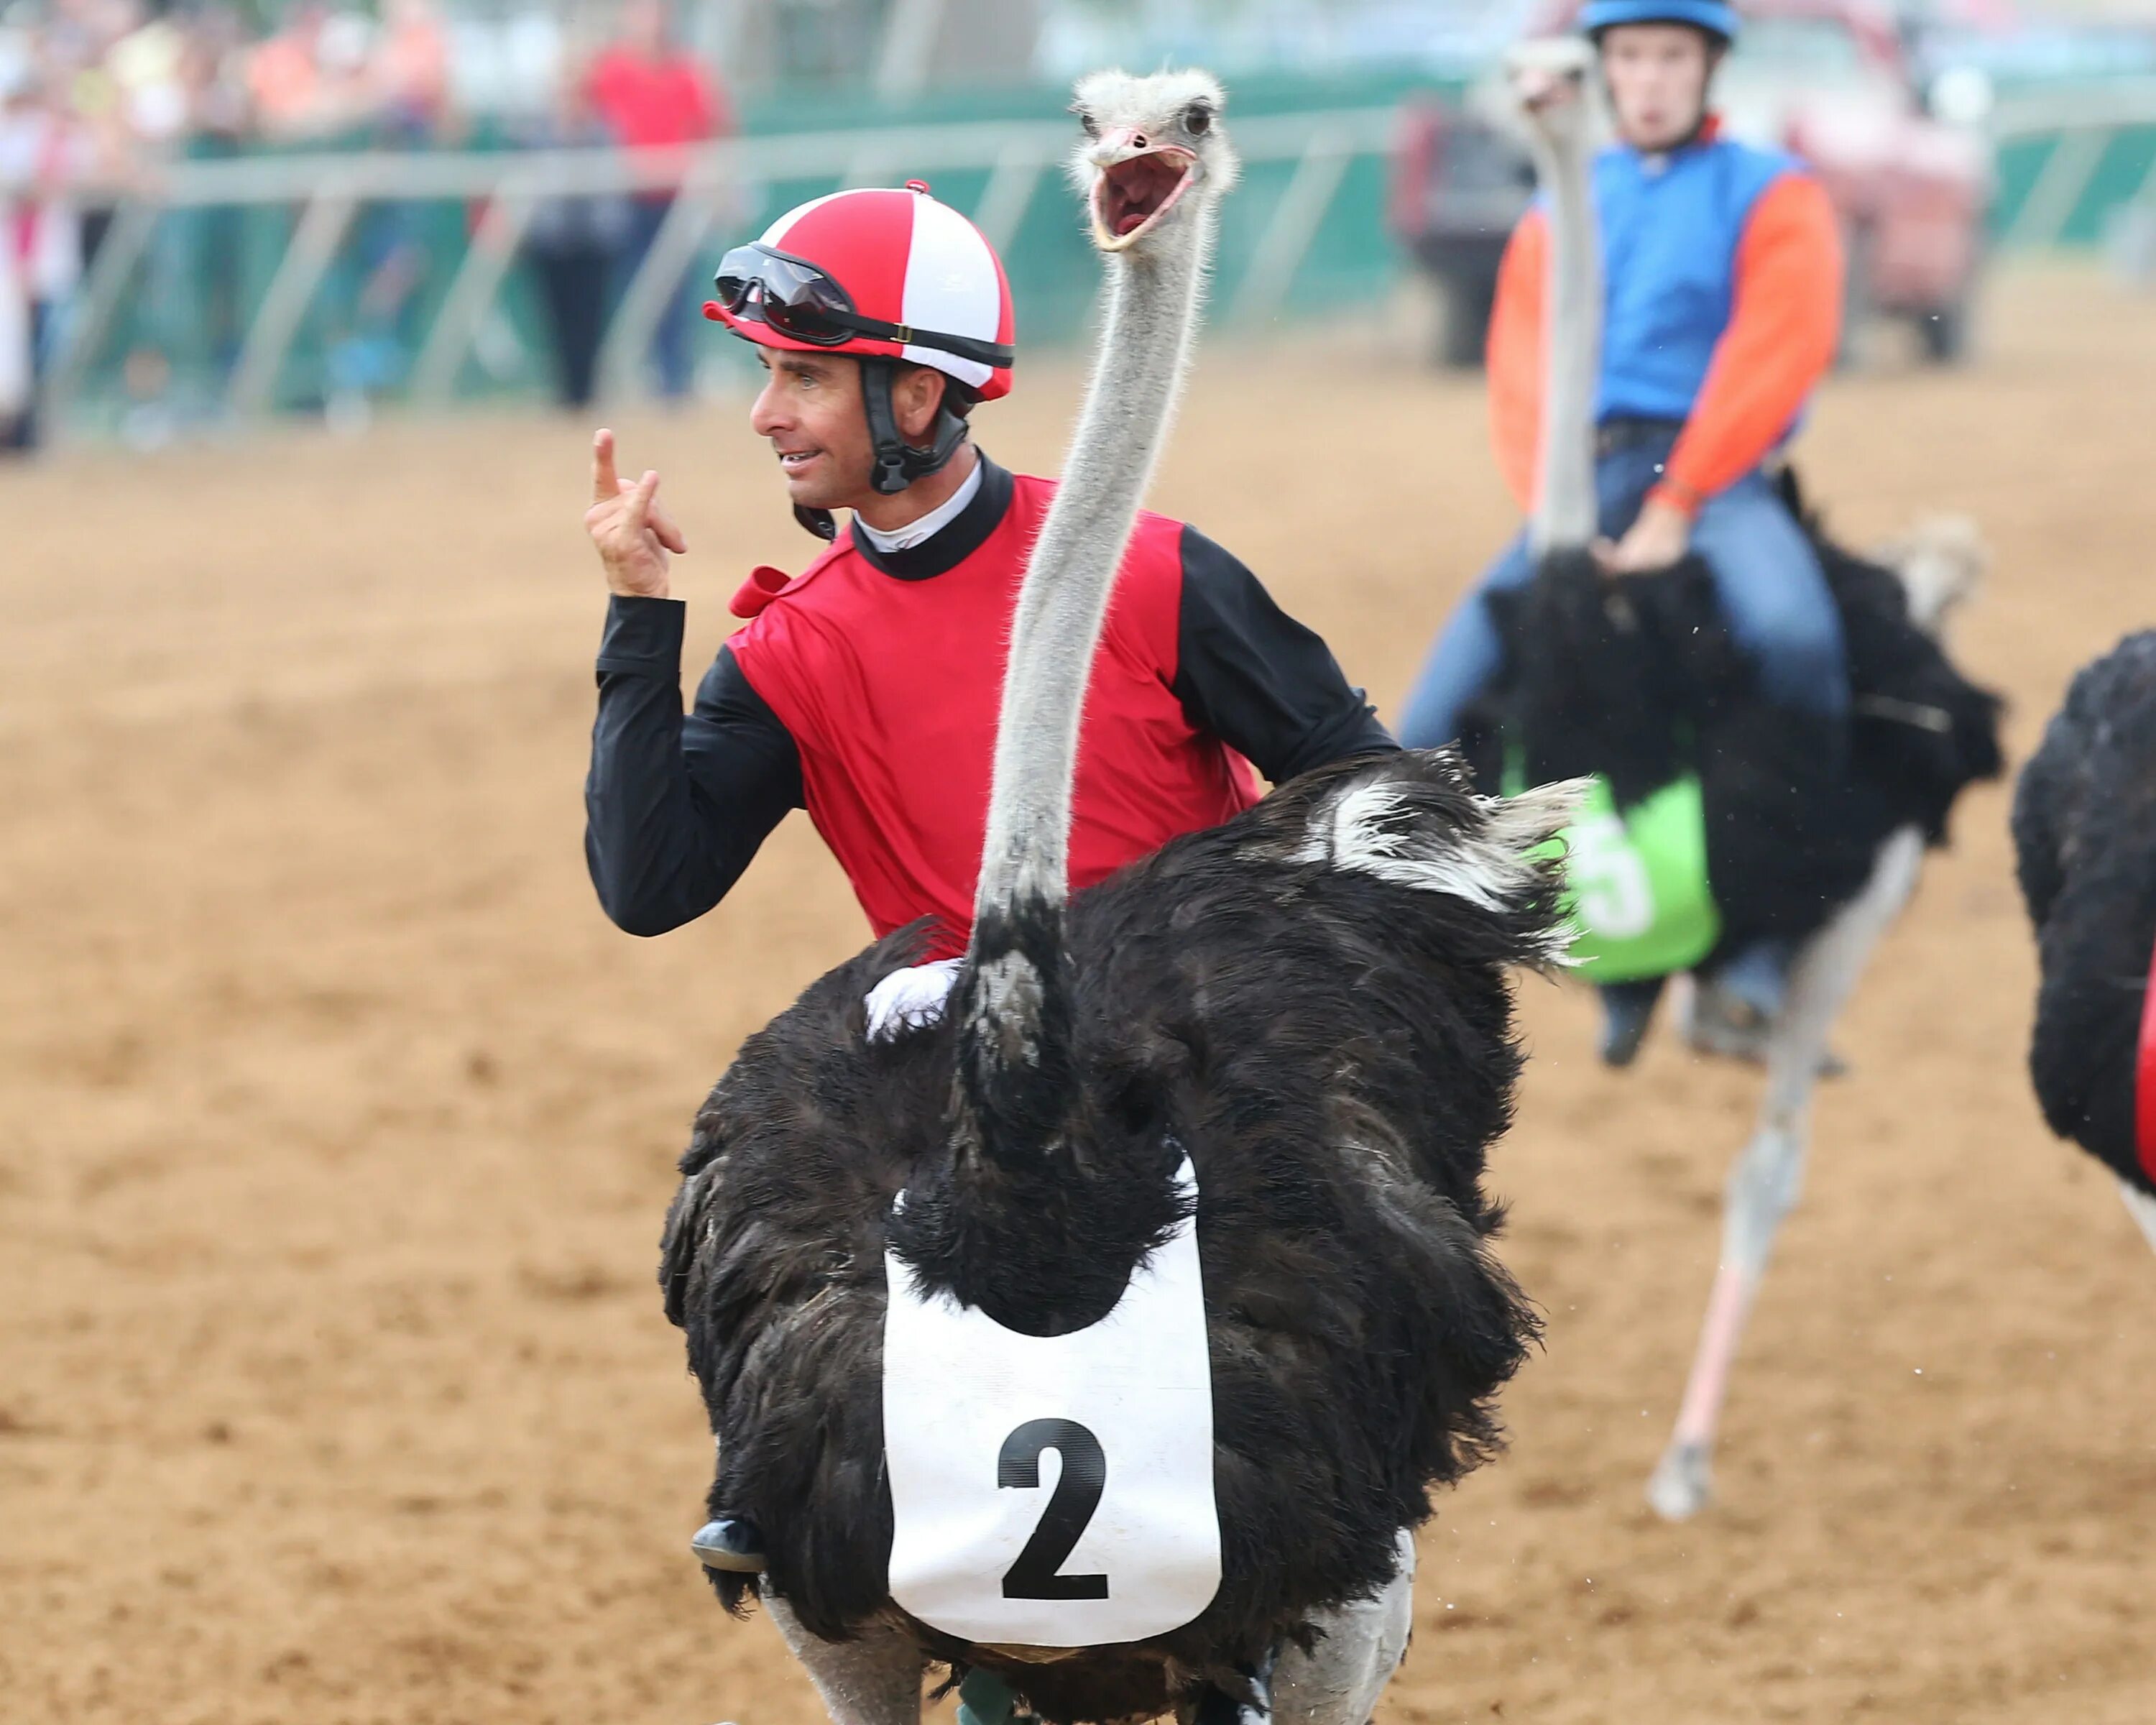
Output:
(339, 1123)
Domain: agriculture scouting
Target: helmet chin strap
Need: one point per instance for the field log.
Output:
(898, 463)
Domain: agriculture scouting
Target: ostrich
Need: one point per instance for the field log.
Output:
(1636, 679)
(2085, 849)
(1268, 1060)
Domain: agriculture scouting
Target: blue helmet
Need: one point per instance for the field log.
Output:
(1717, 17)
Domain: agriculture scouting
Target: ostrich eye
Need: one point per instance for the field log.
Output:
(1092, 126)
(1197, 119)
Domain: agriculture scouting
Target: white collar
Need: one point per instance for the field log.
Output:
(929, 525)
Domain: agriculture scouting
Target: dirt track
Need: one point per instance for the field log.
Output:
(333, 1384)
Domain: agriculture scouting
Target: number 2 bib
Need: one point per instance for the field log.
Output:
(1054, 1491)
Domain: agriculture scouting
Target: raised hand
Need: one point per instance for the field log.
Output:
(633, 533)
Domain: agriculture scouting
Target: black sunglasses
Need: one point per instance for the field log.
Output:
(802, 302)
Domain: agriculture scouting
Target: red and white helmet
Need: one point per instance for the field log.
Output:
(887, 274)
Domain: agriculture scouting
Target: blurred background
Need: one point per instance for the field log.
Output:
(339, 1122)
(213, 212)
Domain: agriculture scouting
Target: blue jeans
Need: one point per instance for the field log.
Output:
(672, 352)
(1772, 592)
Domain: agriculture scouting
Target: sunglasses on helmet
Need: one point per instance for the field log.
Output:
(802, 302)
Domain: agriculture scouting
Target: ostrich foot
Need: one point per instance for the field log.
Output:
(1684, 1483)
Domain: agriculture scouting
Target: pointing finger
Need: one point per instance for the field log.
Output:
(605, 487)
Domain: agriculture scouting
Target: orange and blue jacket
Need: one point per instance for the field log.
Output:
(1723, 275)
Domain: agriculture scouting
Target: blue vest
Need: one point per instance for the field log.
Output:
(1671, 228)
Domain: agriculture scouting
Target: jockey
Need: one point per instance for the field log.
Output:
(866, 688)
(1722, 269)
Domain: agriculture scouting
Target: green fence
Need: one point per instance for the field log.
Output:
(204, 272)
(2066, 163)
(2094, 172)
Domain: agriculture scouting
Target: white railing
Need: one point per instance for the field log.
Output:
(329, 190)
(2082, 120)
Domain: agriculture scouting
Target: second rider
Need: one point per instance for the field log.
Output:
(1722, 281)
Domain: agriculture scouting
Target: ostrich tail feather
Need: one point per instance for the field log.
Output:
(1409, 821)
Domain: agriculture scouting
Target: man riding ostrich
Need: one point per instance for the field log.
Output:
(1184, 1189)
(2084, 849)
(1721, 287)
(1733, 827)
(865, 688)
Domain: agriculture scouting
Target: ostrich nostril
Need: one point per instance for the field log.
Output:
(1137, 141)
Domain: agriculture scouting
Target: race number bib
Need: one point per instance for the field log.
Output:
(1054, 1491)
(1637, 886)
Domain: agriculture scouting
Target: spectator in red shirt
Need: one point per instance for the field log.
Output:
(652, 95)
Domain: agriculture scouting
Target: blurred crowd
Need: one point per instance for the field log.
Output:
(97, 98)
(97, 95)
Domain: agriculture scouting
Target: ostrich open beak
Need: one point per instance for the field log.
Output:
(1134, 186)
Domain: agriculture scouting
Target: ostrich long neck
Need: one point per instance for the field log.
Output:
(1153, 299)
(1566, 514)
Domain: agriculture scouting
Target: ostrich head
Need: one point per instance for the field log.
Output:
(1550, 95)
(1154, 153)
(1549, 81)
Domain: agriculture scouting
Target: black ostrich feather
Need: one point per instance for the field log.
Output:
(1334, 1049)
(1636, 678)
(2084, 849)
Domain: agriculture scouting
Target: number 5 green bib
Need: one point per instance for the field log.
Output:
(1637, 886)
(1636, 881)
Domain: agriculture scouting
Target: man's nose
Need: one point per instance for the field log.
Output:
(766, 415)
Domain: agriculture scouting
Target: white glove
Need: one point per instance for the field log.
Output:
(910, 999)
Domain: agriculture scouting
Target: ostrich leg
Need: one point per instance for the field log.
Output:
(1360, 1646)
(875, 1679)
(1764, 1184)
(2142, 1208)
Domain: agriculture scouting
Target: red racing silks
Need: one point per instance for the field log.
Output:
(764, 585)
(2144, 1080)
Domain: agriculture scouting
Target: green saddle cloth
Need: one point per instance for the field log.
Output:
(1637, 883)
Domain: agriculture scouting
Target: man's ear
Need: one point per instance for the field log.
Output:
(915, 397)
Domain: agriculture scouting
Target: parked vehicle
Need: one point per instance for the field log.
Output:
(1828, 79)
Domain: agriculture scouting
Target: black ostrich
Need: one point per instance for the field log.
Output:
(1308, 1008)
(2085, 848)
(1810, 839)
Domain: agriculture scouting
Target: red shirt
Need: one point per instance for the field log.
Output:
(890, 689)
(655, 104)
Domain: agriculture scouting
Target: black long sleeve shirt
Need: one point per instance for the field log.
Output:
(677, 804)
